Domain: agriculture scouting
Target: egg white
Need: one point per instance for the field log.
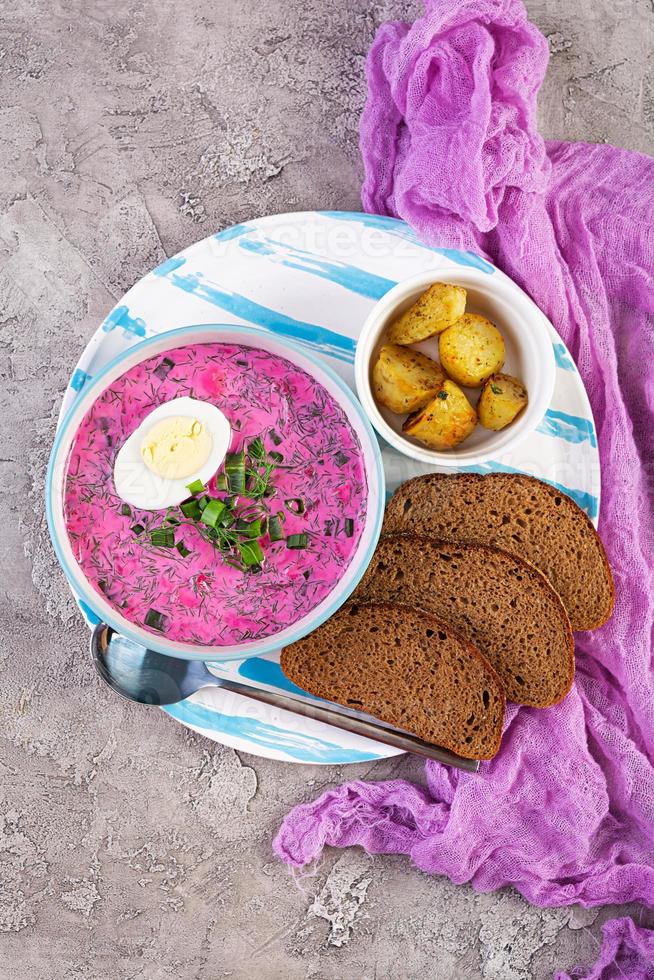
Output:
(139, 486)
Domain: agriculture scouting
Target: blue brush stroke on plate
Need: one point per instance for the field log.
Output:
(256, 246)
(572, 428)
(587, 501)
(79, 379)
(235, 231)
(120, 317)
(330, 342)
(305, 748)
(350, 277)
(562, 357)
(169, 265)
(401, 230)
(268, 672)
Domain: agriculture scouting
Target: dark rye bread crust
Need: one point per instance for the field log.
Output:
(497, 601)
(521, 515)
(406, 668)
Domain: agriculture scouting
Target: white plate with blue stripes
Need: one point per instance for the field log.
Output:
(313, 277)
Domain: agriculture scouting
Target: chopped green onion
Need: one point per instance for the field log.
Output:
(349, 527)
(251, 553)
(163, 537)
(328, 529)
(275, 532)
(235, 471)
(226, 519)
(191, 509)
(251, 529)
(126, 510)
(297, 541)
(247, 513)
(307, 574)
(137, 529)
(155, 620)
(102, 585)
(234, 523)
(496, 389)
(442, 395)
(212, 512)
(340, 458)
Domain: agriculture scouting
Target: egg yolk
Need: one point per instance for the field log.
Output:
(176, 447)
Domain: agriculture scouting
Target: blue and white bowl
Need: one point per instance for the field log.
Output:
(212, 333)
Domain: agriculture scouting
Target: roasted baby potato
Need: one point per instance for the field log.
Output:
(502, 399)
(471, 350)
(437, 309)
(404, 380)
(445, 421)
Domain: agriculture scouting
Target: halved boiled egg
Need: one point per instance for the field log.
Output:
(177, 443)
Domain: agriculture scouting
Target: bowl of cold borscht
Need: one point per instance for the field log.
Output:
(216, 492)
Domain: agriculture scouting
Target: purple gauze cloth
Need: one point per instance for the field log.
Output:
(627, 954)
(565, 811)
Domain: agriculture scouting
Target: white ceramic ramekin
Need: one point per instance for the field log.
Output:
(529, 357)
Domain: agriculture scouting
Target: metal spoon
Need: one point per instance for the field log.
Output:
(143, 675)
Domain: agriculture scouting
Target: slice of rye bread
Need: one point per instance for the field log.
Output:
(521, 515)
(497, 601)
(406, 668)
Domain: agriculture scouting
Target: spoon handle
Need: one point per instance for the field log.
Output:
(349, 723)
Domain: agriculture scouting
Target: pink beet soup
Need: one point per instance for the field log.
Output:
(198, 598)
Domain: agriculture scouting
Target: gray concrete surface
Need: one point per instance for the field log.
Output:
(129, 847)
